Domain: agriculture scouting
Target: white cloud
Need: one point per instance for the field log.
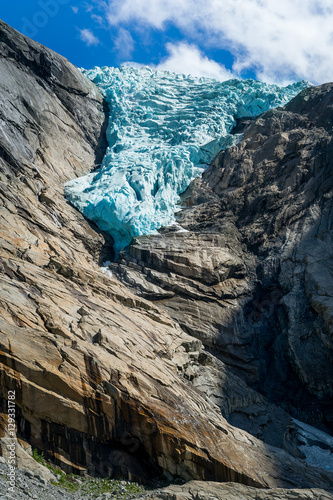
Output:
(75, 9)
(88, 37)
(124, 44)
(98, 19)
(187, 59)
(280, 40)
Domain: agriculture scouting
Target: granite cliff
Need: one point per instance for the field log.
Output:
(112, 381)
(252, 275)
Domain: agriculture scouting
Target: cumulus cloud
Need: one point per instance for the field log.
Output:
(187, 59)
(75, 9)
(88, 37)
(280, 40)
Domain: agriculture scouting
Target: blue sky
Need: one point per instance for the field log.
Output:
(278, 41)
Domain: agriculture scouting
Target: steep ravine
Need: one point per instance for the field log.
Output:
(98, 371)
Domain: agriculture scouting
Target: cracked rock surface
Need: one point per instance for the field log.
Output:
(250, 273)
(199, 490)
(104, 379)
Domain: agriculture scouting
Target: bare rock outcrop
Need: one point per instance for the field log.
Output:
(250, 272)
(97, 371)
(199, 490)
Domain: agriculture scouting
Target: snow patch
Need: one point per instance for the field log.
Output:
(316, 445)
(105, 268)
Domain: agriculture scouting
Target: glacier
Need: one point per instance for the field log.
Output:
(164, 129)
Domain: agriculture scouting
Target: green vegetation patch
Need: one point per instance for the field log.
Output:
(119, 489)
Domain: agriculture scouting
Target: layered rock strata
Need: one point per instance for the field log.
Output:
(250, 271)
(199, 490)
(97, 371)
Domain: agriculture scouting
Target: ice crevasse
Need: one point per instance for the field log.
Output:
(164, 129)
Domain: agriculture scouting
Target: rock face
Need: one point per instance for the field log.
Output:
(98, 372)
(251, 275)
(199, 490)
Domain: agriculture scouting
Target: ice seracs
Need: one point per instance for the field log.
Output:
(164, 129)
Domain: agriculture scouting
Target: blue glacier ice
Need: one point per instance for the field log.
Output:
(164, 129)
